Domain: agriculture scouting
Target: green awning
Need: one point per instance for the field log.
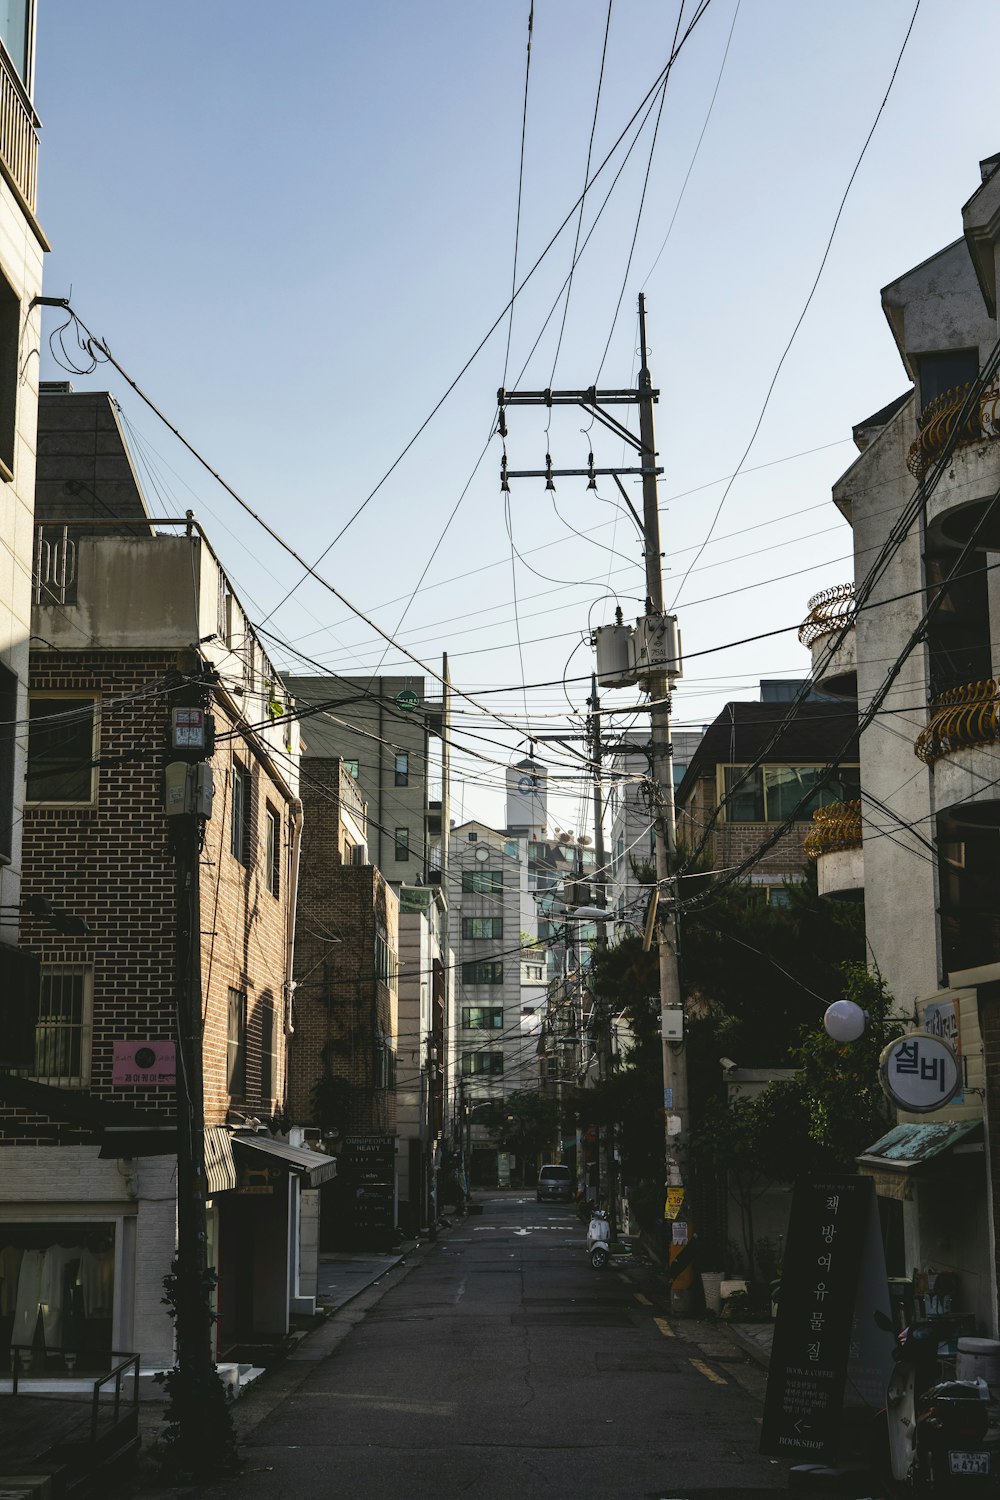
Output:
(910, 1146)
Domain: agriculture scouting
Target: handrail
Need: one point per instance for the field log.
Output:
(116, 1373)
(18, 134)
(828, 610)
(836, 826)
(938, 420)
(961, 718)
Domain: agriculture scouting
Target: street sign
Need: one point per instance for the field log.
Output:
(407, 700)
(833, 1282)
(919, 1072)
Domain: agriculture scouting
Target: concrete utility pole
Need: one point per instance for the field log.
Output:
(675, 1090)
(205, 1440)
(675, 1093)
(601, 942)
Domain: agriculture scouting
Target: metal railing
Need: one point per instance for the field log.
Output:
(54, 580)
(351, 798)
(961, 718)
(827, 612)
(18, 134)
(123, 1367)
(939, 419)
(836, 826)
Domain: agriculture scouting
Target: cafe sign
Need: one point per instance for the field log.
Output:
(920, 1073)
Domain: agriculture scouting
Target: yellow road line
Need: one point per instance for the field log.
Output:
(665, 1328)
(703, 1369)
(644, 1300)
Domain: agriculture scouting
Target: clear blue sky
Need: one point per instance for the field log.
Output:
(294, 228)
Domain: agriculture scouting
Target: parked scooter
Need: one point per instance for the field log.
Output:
(598, 1239)
(944, 1437)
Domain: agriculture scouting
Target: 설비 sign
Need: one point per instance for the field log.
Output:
(919, 1072)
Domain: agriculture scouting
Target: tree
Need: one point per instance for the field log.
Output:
(525, 1124)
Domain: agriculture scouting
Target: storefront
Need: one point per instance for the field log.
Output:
(57, 1295)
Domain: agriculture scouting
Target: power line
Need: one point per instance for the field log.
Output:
(812, 292)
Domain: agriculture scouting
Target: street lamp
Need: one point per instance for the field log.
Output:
(844, 1021)
(597, 914)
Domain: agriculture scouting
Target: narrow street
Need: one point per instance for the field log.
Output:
(503, 1365)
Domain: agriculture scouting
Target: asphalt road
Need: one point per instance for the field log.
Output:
(500, 1365)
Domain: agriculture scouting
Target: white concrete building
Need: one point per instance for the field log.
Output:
(22, 245)
(930, 759)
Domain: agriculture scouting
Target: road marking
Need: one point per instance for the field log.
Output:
(622, 1277)
(644, 1300)
(665, 1328)
(703, 1369)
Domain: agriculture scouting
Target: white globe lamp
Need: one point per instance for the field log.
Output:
(844, 1021)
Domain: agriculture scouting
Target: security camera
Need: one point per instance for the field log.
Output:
(728, 1065)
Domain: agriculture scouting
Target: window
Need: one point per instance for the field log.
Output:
(62, 1032)
(384, 1063)
(10, 343)
(385, 958)
(769, 794)
(482, 1017)
(352, 766)
(402, 769)
(8, 715)
(473, 836)
(402, 844)
(273, 852)
(239, 841)
(268, 1057)
(62, 749)
(15, 32)
(482, 882)
(945, 371)
(482, 927)
(490, 972)
(477, 1063)
(236, 1044)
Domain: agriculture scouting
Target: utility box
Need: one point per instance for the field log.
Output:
(655, 648)
(576, 892)
(188, 789)
(672, 1025)
(614, 660)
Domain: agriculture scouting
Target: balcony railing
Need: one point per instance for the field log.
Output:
(961, 718)
(837, 826)
(828, 611)
(940, 418)
(352, 800)
(18, 134)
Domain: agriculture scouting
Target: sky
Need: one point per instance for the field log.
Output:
(294, 230)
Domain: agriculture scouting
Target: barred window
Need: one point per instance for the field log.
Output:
(63, 1029)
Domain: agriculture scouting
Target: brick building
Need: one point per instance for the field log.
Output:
(343, 1049)
(125, 617)
(752, 803)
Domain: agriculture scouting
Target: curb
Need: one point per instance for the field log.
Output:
(748, 1345)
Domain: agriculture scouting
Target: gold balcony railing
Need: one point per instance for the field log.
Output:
(940, 418)
(837, 826)
(961, 718)
(827, 612)
(18, 134)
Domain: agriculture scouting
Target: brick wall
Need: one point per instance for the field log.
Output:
(111, 864)
(341, 1007)
(730, 843)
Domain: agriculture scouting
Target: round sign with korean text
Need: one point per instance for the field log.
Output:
(919, 1072)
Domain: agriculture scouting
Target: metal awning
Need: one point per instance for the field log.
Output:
(893, 1159)
(220, 1169)
(312, 1166)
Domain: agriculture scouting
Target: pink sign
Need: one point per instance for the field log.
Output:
(144, 1064)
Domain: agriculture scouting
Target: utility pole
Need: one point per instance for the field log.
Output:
(205, 1442)
(601, 942)
(657, 683)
